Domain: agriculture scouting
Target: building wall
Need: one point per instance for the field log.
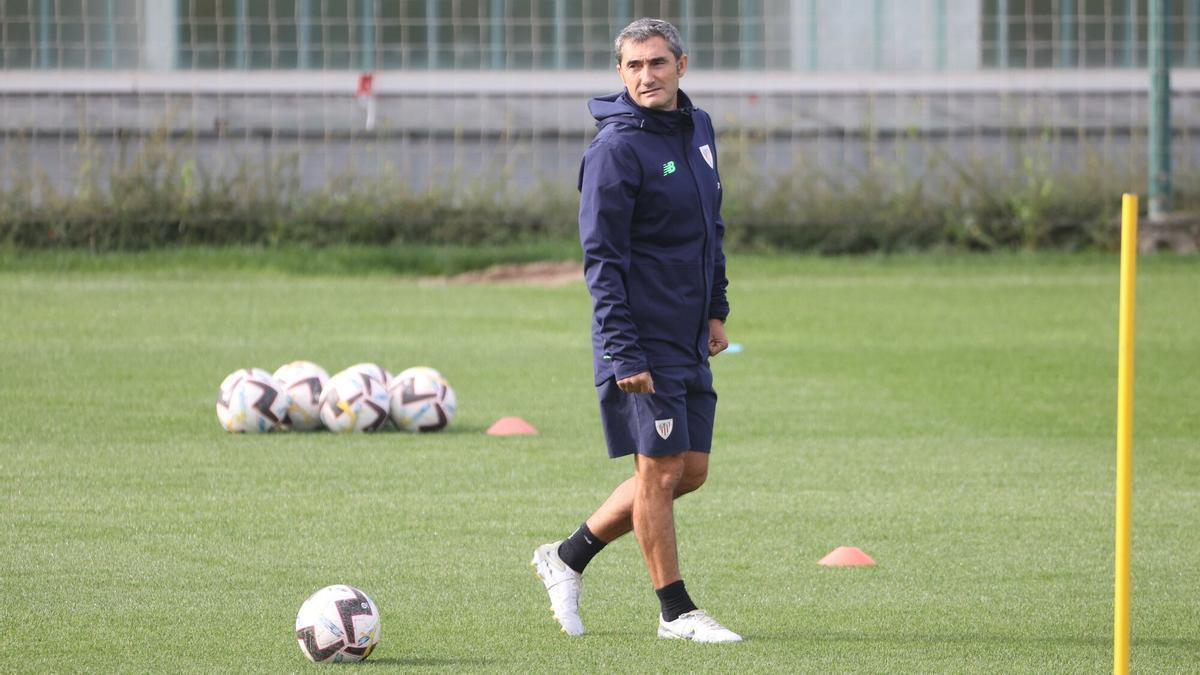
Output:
(817, 82)
(885, 35)
(754, 35)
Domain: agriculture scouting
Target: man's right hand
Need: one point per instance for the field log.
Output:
(641, 383)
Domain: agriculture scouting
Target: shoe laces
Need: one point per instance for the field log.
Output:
(568, 587)
(567, 584)
(701, 618)
(561, 571)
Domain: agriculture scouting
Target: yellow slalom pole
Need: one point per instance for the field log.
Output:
(1129, 222)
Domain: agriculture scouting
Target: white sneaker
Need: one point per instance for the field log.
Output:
(696, 626)
(564, 585)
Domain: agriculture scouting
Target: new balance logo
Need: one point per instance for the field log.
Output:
(669, 168)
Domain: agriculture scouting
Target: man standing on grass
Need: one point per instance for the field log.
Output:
(651, 229)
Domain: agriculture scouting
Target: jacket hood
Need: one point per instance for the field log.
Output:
(618, 108)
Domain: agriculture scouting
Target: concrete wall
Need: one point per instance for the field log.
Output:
(527, 128)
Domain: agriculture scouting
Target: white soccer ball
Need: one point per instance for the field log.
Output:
(374, 370)
(422, 403)
(337, 624)
(304, 381)
(251, 400)
(354, 401)
(420, 370)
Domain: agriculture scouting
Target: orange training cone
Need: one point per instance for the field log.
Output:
(511, 426)
(846, 556)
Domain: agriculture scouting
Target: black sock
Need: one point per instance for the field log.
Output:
(674, 600)
(578, 549)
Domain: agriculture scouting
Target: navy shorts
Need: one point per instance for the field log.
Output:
(678, 416)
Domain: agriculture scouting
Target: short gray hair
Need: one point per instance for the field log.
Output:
(644, 29)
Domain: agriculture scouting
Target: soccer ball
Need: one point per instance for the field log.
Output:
(354, 401)
(422, 403)
(374, 370)
(304, 381)
(250, 400)
(337, 623)
(421, 370)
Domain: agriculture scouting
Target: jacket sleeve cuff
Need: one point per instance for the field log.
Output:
(623, 369)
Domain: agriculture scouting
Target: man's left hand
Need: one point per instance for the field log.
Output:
(717, 342)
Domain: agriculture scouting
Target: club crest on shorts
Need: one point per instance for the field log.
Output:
(664, 427)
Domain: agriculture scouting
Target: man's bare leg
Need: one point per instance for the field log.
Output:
(657, 483)
(654, 515)
(614, 518)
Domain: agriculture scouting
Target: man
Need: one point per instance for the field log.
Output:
(651, 229)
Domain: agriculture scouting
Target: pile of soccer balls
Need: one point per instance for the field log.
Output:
(301, 396)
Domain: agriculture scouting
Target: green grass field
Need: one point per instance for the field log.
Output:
(954, 417)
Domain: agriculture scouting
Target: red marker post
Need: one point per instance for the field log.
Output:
(366, 97)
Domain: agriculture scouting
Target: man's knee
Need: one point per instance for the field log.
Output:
(692, 479)
(661, 473)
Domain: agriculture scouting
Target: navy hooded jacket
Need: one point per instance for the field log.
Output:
(651, 229)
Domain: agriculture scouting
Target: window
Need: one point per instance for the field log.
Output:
(1082, 33)
(69, 34)
(461, 34)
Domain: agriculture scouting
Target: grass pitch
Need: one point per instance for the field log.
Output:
(954, 417)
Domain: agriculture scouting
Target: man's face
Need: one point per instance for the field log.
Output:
(651, 72)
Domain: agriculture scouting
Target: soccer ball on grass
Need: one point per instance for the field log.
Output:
(354, 401)
(337, 623)
(422, 403)
(304, 381)
(251, 400)
(420, 370)
(374, 370)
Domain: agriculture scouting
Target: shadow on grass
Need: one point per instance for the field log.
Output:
(630, 635)
(455, 428)
(984, 639)
(428, 661)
